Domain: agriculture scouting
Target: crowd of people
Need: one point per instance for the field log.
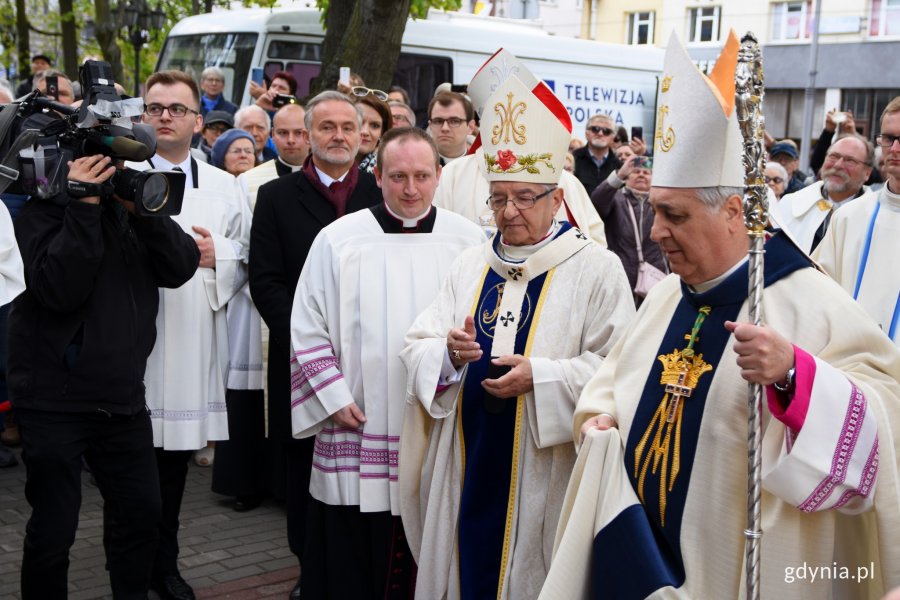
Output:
(502, 360)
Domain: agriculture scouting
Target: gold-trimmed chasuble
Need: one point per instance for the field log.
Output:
(682, 370)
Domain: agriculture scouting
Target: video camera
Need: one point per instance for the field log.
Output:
(38, 136)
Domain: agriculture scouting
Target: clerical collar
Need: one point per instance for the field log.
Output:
(448, 159)
(391, 223)
(522, 253)
(327, 179)
(295, 168)
(892, 200)
(408, 223)
(186, 166)
(708, 285)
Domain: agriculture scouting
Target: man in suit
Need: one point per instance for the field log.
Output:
(289, 213)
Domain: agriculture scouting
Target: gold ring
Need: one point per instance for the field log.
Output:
(456, 354)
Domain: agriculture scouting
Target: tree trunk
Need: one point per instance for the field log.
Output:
(23, 41)
(69, 38)
(349, 41)
(107, 32)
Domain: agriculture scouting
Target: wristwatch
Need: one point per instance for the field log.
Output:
(786, 385)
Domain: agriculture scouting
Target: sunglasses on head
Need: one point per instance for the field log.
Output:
(363, 91)
(604, 130)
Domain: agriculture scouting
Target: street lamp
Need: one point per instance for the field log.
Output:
(140, 19)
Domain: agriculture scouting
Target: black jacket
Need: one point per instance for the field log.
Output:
(80, 335)
(288, 216)
(588, 173)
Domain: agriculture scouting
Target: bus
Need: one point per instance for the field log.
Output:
(589, 77)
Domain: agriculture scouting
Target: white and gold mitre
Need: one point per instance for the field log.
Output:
(495, 71)
(522, 137)
(697, 142)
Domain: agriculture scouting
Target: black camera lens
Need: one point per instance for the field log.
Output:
(155, 192)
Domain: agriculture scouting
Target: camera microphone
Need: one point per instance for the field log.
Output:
(123, 147)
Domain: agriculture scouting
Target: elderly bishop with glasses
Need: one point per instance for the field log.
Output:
(496, 364)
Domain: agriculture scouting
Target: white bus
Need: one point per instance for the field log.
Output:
(589, 77)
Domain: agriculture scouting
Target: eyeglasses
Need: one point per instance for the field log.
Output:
(775, 180)
(596, 129)
(833, 157)
(217, 128)
(363, 91)
(237, 151)
(175, 110)
(886, 140)
(521, 202)
(453, 122)
(400, 119)
(214, 79)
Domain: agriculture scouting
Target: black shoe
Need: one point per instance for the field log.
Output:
(7, 458)
(172, 587)
(295, 593)
(245, 503)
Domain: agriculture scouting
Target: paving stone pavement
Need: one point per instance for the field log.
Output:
(224, 554)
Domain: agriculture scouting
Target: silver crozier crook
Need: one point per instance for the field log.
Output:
(748, 101)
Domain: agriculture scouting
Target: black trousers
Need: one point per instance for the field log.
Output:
(298, 459)
(372, 545)
(173, 468)
(241, 465)
(119, 450)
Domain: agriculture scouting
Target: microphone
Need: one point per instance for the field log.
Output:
(123, 147)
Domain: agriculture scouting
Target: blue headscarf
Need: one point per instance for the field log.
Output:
(224, 142)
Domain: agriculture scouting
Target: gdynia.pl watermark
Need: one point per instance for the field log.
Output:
(835, 572)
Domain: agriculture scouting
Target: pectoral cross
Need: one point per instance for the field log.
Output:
(676, 392)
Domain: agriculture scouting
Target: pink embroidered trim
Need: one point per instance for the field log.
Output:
(794, 415)
(312, 391)
(867, 481)
(314, 349)
(353, 469)
(849, 436)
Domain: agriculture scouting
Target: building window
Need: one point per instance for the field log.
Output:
(791, 20)
(704, 24)
(885, 18)
(640, 29)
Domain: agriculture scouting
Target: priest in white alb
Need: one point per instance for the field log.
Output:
(657, 503)
(463, 187)
(861, 247)
(496, 364)
(367, 276)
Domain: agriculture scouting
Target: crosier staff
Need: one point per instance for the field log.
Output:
(748, 100)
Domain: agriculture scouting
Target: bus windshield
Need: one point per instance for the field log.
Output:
(231, 52)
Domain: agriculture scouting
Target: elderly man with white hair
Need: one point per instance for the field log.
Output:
(257, 123)
(212, 84)
(496, 363)
(657, 502)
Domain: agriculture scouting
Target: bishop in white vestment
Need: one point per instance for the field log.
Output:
(495, 365)
(657, 504)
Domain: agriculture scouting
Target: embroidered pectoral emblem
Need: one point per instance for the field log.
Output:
(682, 370)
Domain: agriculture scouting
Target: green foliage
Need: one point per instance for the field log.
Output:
(418, 9)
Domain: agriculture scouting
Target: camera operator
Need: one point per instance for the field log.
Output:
(79, 338)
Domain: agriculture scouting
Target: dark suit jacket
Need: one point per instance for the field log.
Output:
(587, 172)
(289, 214)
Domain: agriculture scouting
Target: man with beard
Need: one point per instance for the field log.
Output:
(595, 160)
(861, 245)
(806, 214)
(290, 211)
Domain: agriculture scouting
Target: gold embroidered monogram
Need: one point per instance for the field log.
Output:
(666, 83)
(663, 142)
(509, 115)
(682, 370)
(823, 205)
(488, 316)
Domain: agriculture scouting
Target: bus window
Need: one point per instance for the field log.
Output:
(304, 73)
(300, 59)
(231, 52)
(420, 74)
(295, 50)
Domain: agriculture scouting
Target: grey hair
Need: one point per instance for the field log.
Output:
(239, 116)
(870, 147)
(41, 76)
(714, 197)
(326, 96)
(411, 113)
(211, 71)
(781, 170)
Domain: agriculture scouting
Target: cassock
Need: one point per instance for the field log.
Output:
(481, 478)
(806, 211)
(363, 283)
(464, 190)
(860, 252)
(657, 507)
(186, 372)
